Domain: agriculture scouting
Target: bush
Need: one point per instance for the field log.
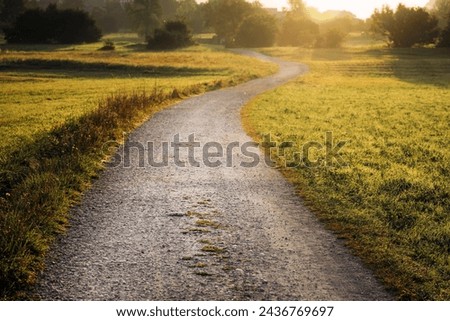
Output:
(174, 34)
(53, 26)
(298, 31)
(108, 45)
(258, 30)
(331, 39)
(345, 23)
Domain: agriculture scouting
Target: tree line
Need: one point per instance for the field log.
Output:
(408, 27)
(113, 16)
(168, 23)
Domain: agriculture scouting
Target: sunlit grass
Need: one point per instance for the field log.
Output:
(41, 89)
(59, 106)
(392, 201)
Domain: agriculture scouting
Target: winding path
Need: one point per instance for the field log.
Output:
(199, 232)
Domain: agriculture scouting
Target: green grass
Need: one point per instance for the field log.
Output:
(392, 202)
(59, 105)
(41, 89)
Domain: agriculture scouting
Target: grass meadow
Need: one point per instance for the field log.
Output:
(58, 106)
(391, 202)
(43, 86)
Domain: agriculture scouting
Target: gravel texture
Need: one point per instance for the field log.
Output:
(198, 232)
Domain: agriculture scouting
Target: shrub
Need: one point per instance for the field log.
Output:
(298, 31)
(258, 30)
(108, 45)
(345, 23)
(331, 39)
(53, 26)
(174, 34)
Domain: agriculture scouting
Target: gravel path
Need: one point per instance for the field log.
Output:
(199, 232)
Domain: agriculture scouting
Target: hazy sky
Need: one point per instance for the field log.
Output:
(363, 9)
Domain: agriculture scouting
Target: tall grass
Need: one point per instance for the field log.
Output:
(59, 106)
(40, 181)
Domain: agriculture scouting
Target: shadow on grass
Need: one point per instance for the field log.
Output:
(99, 70)
(330, 55)
(36, 47)
(129, 41)
(137, 47)
(429, 66)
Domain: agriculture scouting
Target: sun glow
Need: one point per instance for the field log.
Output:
(362, 9)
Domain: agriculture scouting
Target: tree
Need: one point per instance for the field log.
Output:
(298, 8)
(71, 4)
(9, 11)
(111, 17)
(43, 4)
(257, 30)
(333, 31)
(190, 11)
(146, 16)
(53, 26)
(31, 4)
(169, 8)
(345, 23)
(2, 15)
(225, 16)
(405, 27)
(297, 29)
(441, 9)
(444, 37)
